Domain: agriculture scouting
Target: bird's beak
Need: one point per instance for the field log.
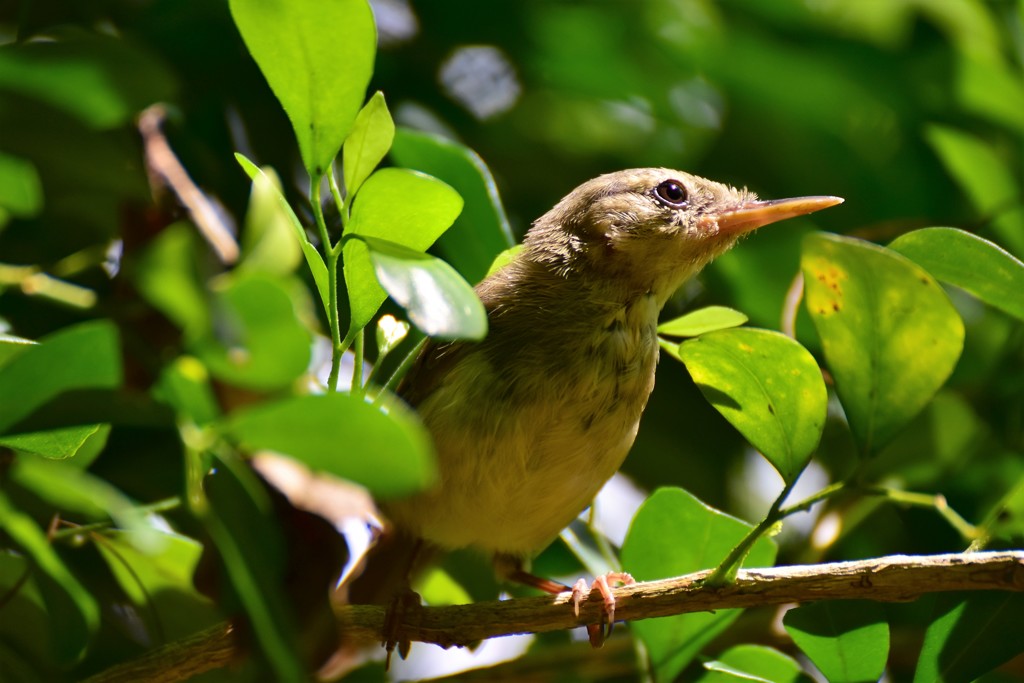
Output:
(755, 214)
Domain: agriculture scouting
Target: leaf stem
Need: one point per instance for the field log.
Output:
(333, 255)
(79, 529)
(357, 388)
(936, 502)
(400, 371)
(726, 571)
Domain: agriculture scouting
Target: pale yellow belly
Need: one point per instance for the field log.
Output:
(511, 476)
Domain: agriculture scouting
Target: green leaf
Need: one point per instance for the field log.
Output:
(74, 614)
(389, 453)
(847, 640)
(70, 488)
(1006, 519)
(701, 321)
(12, 346)
(674, 534)
(482, 230)
(401, 206)
(313, 257)
(365, 294)
(252, 551)
(184, 384)
(767, 386)
(439, 302)
(983, 176)
(100, 79)
(79, 357)
(261, 342)
(25, 629)
(972, 263)
(159, 584)
(21, 192)
(368, 142)
(889, 333)
(58, 443)
(267, 242)
(405, 207)
(167, 276)
(970, 636)
(317, 57)
(504, 258)
(753, 663)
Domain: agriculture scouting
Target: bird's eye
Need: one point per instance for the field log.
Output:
(671, 193)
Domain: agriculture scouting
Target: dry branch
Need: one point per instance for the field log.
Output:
(896, 578)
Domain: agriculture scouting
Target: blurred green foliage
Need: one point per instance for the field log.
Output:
(131, 358)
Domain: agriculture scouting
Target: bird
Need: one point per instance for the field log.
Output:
(529, 423)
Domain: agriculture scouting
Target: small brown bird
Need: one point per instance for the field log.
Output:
(532, 421)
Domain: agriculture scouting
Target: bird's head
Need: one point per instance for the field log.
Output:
(650, 229)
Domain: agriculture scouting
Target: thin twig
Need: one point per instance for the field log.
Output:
(163, 163)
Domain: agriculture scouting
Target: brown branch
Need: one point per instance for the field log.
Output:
(215, 648)
(162, 162)
(896, 578)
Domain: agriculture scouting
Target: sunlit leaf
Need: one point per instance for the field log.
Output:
(673, 534)
(389, 453)
(970, 262)
(313, 257)
(708, 319)
(405, 207)
(753, 663)
(390, 333)
(401, 206)
(368, 142)
(79, 357)
(481, 231)
(317, 58)
(268, 245)
(889, 333)
(504, 258)
(768, 386)
(969, 636)
(847, 640)
(74, 613)
(439, 302)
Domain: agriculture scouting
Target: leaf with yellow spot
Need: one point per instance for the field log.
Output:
(889, 333)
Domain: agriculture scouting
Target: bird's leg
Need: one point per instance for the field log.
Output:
(510, 568)
(402, 603)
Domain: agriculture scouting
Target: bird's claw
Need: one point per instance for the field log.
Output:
(603, 585)
(401, 606)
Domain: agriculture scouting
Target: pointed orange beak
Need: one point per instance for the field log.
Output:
(755, 214)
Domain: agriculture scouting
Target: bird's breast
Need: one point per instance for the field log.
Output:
(526, 438)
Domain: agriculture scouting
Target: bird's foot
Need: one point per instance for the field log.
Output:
(602, 584)
(401, 605)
